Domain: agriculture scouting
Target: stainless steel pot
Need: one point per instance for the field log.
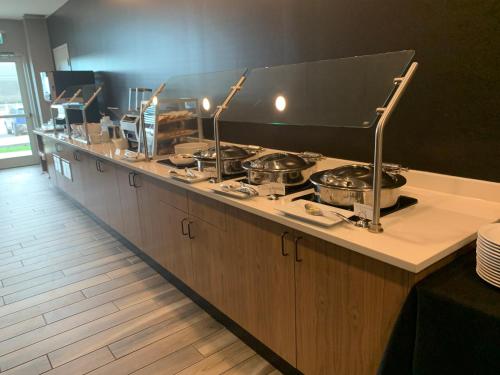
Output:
(288, 169)
(231, 157)
(351, 184)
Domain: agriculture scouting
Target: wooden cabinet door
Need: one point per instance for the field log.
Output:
(176, 245)
(259, 280)
(95, 190)
(129, 204)
(49, 149)
(110, 197)
(78, 164)
(149, 219)
(162, 231)
(208, 251)
(51, 168)
(346, 303)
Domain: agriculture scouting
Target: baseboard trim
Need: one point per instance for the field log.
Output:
(260, 348)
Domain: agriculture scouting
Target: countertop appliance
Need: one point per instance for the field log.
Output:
(54, 83)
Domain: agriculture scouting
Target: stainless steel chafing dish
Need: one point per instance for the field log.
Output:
(286, 168)
(231, 159)
(351, 184)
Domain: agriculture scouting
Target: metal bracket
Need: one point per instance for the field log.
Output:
(385, 112)
(221, 108)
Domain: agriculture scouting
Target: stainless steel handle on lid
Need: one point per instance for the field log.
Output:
(393, 168)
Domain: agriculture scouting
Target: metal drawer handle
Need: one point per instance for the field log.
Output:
(76, 155)
(99, 165)
(58, 147)
(283, 252)
(184, 233)
(130, 182)
(134, 183)
(191, 237)
(297, 258)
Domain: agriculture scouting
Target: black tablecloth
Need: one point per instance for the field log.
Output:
(450, 324)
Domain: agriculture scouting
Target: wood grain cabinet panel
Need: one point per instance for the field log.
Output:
(49, 149)
(128, 182)
(176, 253)
(93, 189)
(347, 304)
(101, 192)
(111, 196)
(77, 165)
(169, 194)
(161, 228)
(259, 280)
(323, 308)
(208, 249)
(207, 209)
(149, 219)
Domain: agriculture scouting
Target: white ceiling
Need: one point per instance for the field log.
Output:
(15, 9)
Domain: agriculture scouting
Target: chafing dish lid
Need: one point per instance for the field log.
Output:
(278, 162)
(356, 177)
(227, 152)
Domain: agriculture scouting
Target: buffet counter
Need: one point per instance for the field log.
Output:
(446, 218)
(308, 298)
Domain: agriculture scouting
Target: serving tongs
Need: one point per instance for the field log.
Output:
(243, 188)
(188, 173)
(316, 211)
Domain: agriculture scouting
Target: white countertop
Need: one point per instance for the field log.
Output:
(447, 216)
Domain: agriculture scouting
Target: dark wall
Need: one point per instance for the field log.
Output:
(448, 122)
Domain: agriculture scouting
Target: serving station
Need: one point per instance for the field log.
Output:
(274, 243)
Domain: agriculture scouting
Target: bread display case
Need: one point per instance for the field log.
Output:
(176, 115)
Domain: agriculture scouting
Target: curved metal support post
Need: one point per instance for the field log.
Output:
(402, 83)
(221, 108)
(142, 128)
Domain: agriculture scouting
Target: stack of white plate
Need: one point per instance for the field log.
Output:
(488, 254)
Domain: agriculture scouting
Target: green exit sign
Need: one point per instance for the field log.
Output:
(2, 38)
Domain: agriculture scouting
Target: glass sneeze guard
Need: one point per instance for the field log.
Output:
(342, 92)
(175, 116)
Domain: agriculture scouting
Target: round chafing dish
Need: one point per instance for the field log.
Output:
(231, 158)
(351, 184)
(286, 168)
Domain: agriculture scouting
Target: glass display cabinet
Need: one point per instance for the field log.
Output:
(176, 114)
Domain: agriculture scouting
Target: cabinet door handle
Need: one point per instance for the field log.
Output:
(130, 182)
(283, 251)
(191, 237)
(184, 233)
(297, 258)
(58, 147)
(76, 155)
(134, 184)
(97, 165)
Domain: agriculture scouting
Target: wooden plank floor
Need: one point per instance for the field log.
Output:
(74, 300)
